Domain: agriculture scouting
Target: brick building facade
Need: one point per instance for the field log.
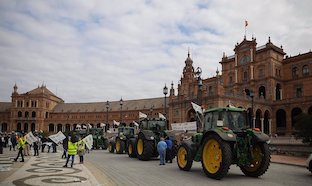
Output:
(281, 87)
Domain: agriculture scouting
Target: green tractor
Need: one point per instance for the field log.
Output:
(119, 143)
(99, 139)
(144, 146)
(223, 138)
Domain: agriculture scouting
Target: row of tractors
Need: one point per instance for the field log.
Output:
(223, 137)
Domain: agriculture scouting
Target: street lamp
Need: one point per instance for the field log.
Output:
(121, 103)
(165, 91)
(107, 107)
(198, 73)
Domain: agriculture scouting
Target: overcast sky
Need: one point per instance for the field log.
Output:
(88, 51)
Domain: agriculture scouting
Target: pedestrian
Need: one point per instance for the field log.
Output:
(81, 150)
(168, 150)
(20, 147)
(36, 148)
(10, 144)
(26, 149)
(1, 145)
(161, 148)
(65, 147)
(71, 151)
(54, 147)
(43, 143)
(13, 140)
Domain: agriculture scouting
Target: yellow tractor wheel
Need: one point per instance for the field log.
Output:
(184, 157)
(216, 157)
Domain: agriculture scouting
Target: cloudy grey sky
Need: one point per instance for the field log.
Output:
(89, 51)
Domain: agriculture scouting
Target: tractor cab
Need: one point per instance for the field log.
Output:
(154, 124)
(230, 117)
(126, 131)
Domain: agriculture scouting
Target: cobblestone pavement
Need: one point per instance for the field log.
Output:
(47, 169)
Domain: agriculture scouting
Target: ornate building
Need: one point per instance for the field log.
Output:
(40, 109)
(276, 86)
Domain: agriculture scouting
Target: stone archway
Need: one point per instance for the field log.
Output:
(191, 115)
(258, 119)
(280, 122)
(294, 113)
(266, 122)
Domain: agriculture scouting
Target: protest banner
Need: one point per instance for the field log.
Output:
(56, 138)
(88, 140)
(30, 138)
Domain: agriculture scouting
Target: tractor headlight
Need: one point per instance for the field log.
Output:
(152, 138)
(230, 135)
(268, 142)
(121, 138)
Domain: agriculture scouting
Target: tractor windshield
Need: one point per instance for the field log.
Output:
(128, 131)
(235, 120)
(153, 125)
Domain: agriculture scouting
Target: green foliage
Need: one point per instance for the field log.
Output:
(303, 126)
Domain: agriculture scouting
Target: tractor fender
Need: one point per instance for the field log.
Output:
(224, 135)
(260, 136)
(148, 135)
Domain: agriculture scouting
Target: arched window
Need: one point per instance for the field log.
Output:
(33, 114)
(278, 92)
(19, 127)
(258, 119)
(245, 76)
(295, 72)
(19, 114)
(230, 80)
(4, 127)
(305, 70)
(67, 127)
(281, 122)
(51, 127)
(26, 114)
(33, 127)
(294, 113)
(46, 114)
(262, 92)
(25, 127)
(59, 127)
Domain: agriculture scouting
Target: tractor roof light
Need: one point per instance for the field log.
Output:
(256, 129)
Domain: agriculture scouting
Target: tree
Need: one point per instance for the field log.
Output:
(303, 126)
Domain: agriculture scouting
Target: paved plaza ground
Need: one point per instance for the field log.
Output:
(104, 168)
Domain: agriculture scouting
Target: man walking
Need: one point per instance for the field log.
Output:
(168, 150)
(65, 147)
(20, 147)
(161, 148)
(72, 151)
(36, 148)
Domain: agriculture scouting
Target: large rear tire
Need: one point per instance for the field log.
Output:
(120, 146)
(111, 147)
(216, 157)
(132, 149)
(260, 161)
(184, 158)
(144, 148)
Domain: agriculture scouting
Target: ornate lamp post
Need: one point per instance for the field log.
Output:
(121, 103)
(165, 91)
(200, 84)
(107, 107)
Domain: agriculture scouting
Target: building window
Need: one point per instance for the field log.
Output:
(19, 114)
(33, 114)
(210, 91)
(305, 70)
(295, 72)
(262, 92)
(245, 76)
(26, 114)
(299, 92)
(261, 73)
(47, 104)
(27, 104)
(231, 80)
(46, 115)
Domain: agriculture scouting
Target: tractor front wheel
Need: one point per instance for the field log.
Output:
(120, 146)
(184, 158)
(216, 157)
(144, 149)
(111, 147)
(131, 149)
(260, 163)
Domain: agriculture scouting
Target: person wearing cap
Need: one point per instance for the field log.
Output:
(20, 146)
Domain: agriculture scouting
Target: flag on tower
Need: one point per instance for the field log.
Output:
(142, 115)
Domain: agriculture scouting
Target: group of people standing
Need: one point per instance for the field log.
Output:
(165, 150)
(72, 147)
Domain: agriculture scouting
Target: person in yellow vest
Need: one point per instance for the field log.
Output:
(20, 146)
(81, 150)
(71, 151)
